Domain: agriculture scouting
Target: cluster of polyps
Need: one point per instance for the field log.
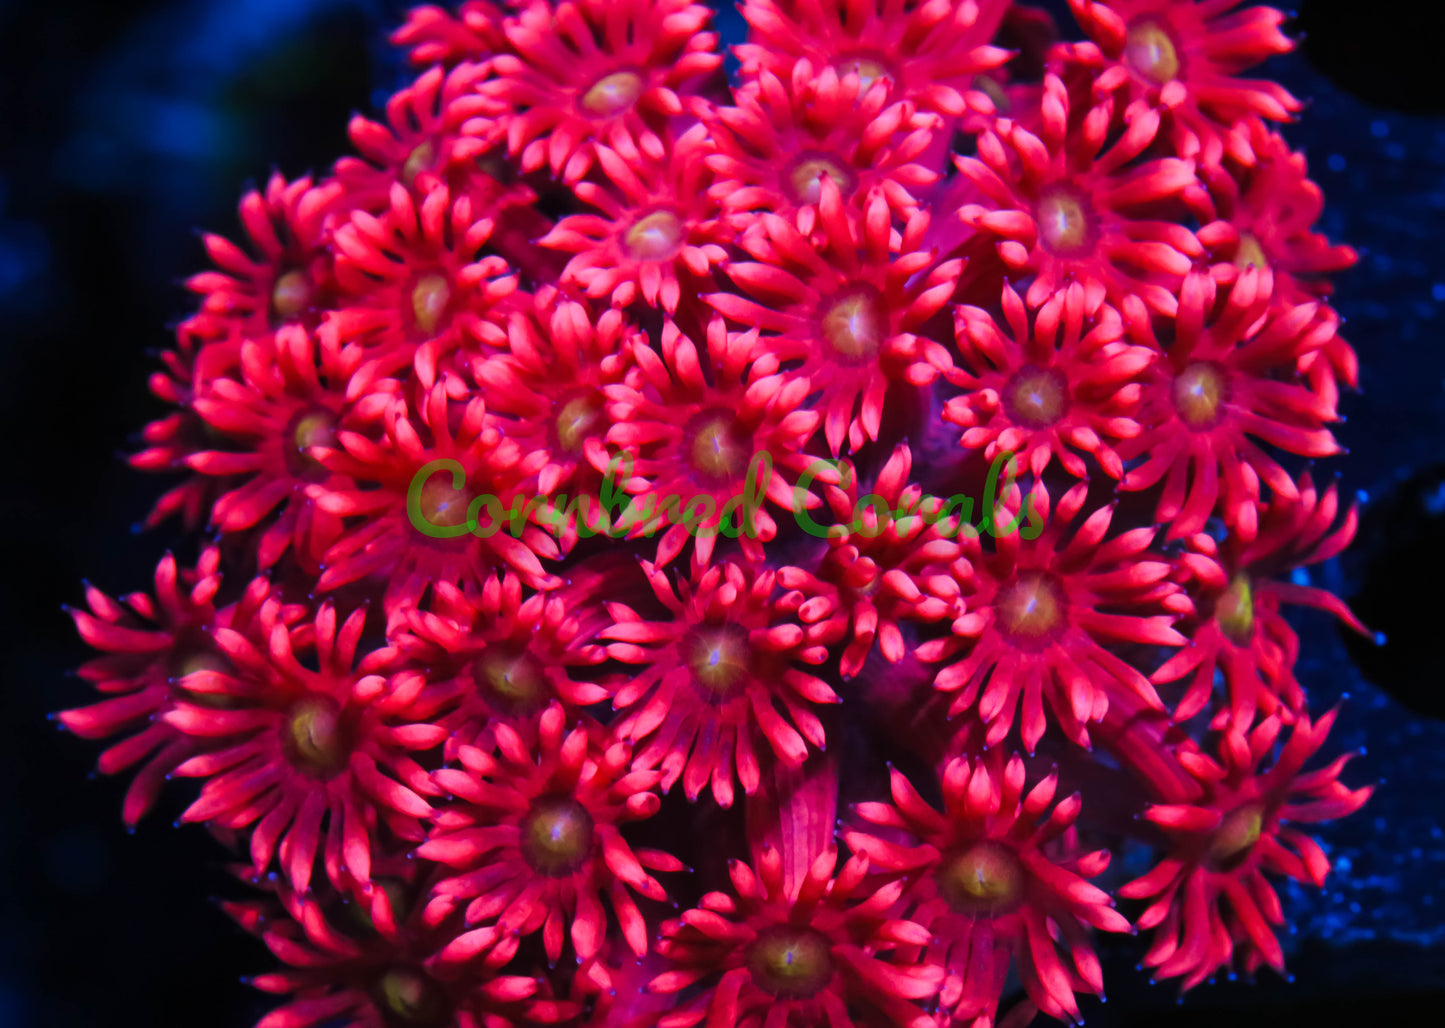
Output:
(906, 241)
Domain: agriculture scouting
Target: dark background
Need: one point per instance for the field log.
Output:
(126, 126)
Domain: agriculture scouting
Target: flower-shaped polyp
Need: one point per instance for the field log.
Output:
(884, 566)
(549, 384)
(1034, 628)
(1243, 633)
(506, 658)
(342, 971)
(1069, 384)
(995, 883)
(715, 671)
(290, 746)
(787, 136)
(287, 396)
(536, 842)
(844, 316)
(1063, 207)
(1264, 215)
(447, 506)
(927, 53)
(420, 145)
(594, 71)
(1211, 898)
(289, 279)
(1227, 378)
(146, 644)
(807, 955)
(1186, 56)
(414, 285)
(656, 222)
(703, 451)
(436, 36)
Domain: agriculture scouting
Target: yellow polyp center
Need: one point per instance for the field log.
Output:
(1235, 837)
(557, 834)
(418, 161)
(718, 658)
(991, 88)
(1250, 254)
(790, 963)
(185, 661)
(854, 326)
(510, 679)
(578, 419)
(1200, 391)
(804, 178)
(429, 299)
(612, 94)
(718, 449)
(1030, 609)
(1063, 220)
(308, 429)
(1150, 52)
(655, 236)
(410, 996)
(1036, 397)
(1235, 611)
(984, 880)
(314, 736)
(868, 69)
(291, 295)
(441, 505)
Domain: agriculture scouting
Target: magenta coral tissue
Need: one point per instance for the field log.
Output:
(753, 545)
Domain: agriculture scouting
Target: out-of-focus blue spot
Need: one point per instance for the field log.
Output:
(1379, 128)
(24, 255)
(181, 127)
(1336, 162)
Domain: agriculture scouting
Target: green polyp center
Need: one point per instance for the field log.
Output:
(655, 236)
(869, 70)
(804, 177)
(790, 963)
(1235, 611)
(1235, 837)
(718, 657)
(418, 161)
(315, 737)
(441, 505)
(578, 419)
(1199, 394)
(1250, 254)
(717, 447)
(612, 94)
(854, 325)
(1063, 219)
(557, 834)
(984, 880)
(291, 294)
(1150, 51)
(1030, 609)
(396, 892)
(1036, 397)
(308, 429)
(511, 679)
(410, 996)
(429, 299)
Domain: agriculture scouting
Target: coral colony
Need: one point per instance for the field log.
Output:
(509, 670)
